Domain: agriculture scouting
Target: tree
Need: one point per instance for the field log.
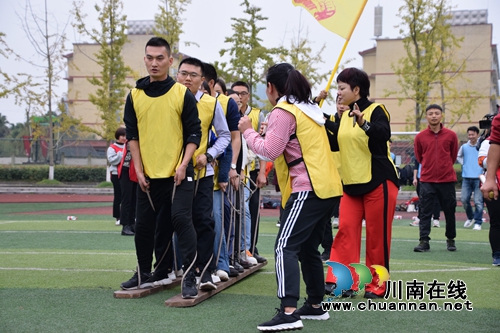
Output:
(48, 42)
(431, 69)
(249, 58)
(4, 128)
(109, 97)
(168, 22)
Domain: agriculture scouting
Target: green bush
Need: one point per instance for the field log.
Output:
(62, 173)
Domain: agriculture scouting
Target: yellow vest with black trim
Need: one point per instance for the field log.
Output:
(254, 116)
(355, 155)
(160, 130)
(318, 159)
(224, 102)
(206, 110)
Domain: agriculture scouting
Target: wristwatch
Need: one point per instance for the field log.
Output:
(210, 158)
(233, 166)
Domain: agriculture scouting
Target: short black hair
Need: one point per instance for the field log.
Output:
(119, 132)
(240, 84)
(195, 62)
(159, 41)
(210, 72)
(434, 106)
(473, 128)
(355, 77)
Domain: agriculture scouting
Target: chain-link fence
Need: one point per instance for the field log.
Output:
(27, 150)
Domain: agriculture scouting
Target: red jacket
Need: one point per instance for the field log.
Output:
(437, 152)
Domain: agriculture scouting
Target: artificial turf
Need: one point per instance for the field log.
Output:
(59, 276)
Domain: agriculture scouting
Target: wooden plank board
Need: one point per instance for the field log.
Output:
(178, 302)
(138, 293)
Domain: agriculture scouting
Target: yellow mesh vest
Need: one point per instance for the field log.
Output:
(160, 130)
(318, 158)
(356, 167)
(206, 109)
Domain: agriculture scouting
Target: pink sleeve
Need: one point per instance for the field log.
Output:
(281, 125)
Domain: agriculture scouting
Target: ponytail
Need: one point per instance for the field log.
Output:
(290, 82)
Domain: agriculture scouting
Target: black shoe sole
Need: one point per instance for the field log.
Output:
(421, 250)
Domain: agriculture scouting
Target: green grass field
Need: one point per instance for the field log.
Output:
(59, 276)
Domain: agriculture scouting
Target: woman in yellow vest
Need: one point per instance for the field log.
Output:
(296, 140)
(370, 183)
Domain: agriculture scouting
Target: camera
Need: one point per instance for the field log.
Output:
(485, 123)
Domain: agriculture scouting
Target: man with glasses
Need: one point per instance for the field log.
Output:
(210, 112)
(258, 169)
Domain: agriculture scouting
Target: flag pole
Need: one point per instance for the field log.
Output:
(343, 50)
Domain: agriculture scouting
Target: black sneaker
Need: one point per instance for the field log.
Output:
(206, 282)
(233, 272)
(307, 311)
(238, 267)
(422, 247)
(372, 295)
(450, 245)
(282, 322)
(260, 259)
(134, 282)
(127, 230)
(329, 288)
(245, 264)
(189, 289)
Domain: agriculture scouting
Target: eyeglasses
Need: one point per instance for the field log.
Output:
(193, 75)
(241, 93)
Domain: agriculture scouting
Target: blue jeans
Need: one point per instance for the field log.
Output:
(470, 185)
(246, 228)
(223, 262)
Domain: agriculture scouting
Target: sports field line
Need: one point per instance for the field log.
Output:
(55, 232)
(70, 253)
(91, 270)
(79, 270)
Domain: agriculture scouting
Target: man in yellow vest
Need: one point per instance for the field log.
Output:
(210, 112)
(164, 131)
(224, 174)
(257, 172)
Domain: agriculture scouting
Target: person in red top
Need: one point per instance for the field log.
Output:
(490, 189)
(436, 149)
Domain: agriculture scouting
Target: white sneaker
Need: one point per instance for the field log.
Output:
(363, 223)
(435, 224)
(222, 275)
(172, 276)
(477, 227)
(416, 222)
(162, 282)
(117, 222)
(468, 223)
(335, 222)
(215, 278)
(246, 255)
(278, 224)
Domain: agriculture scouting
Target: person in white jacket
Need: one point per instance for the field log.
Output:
(115, 154)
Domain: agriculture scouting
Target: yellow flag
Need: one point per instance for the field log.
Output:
(338, 16)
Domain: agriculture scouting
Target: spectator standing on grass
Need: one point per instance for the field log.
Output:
(164, 131)
(114, 155)
(128, 186)
(467, 156)
(490, 188)
(436, 149)
(296, 140)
